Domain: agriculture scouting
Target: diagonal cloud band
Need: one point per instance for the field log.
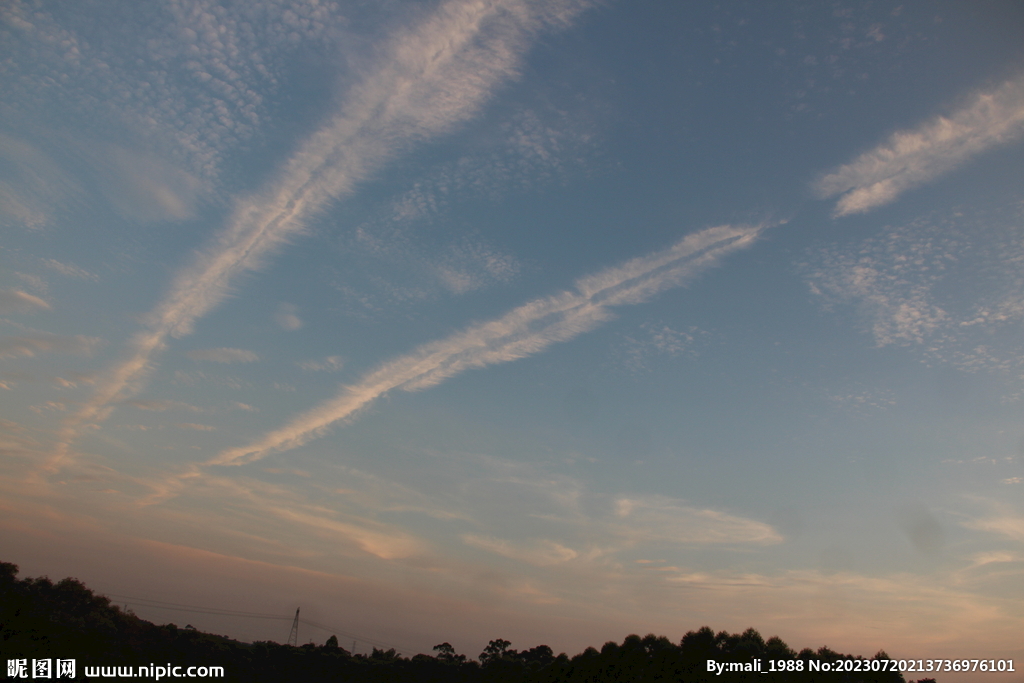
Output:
(432, 77)
(913, 157)
(522, 332)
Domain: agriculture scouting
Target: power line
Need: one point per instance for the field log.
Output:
(337, 631)
(196, 609)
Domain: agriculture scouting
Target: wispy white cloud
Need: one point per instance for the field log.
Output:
(996, 557)
(287, 317)
(1004, 523)
(144, 187)
(535, 147)
(628, 522)
(658, 339)
(541, 553)
(432, 77)
(223, 355)
(69, 269)
(374, 538)
(950, 286)
(196, 427)
(657, 518)
(17, 301)
(389, 266)
(895, 297)
(329, 364)
(35, 185)
(524, 331)
(470, 266)
(860, 397)
(160, 406)
(31, 345)
(913, 157)
(191, 75)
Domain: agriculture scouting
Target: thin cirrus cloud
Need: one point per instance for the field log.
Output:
(913, 157)
(69, 269)
(196, 427)
(657, 518)
(541, 553)
(329, 364)
(1005, 524)
(433, 77)
(35, 344)
(287, 318)
(17, 301)
(207, 67)
(637, 521)
(522, 332)
(223, 355)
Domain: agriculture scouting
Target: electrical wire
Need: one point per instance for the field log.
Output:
(178, 607)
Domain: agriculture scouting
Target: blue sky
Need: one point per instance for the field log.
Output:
(544, 321)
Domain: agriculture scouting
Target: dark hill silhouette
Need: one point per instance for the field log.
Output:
(40, 619)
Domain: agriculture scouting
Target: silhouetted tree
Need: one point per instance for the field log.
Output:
(446, 653)
(495, 650)
(40, 619)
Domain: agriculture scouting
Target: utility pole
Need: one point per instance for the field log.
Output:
(293, 635)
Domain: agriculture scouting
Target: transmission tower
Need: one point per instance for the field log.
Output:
(293, 635)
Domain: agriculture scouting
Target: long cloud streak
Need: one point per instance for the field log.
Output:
(910, 158)
(522, 332)
(432, 78)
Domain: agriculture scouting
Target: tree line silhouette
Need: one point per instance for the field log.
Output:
(40, 619)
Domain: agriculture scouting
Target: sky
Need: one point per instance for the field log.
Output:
(546, 321)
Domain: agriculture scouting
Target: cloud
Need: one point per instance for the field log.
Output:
(160, 406)
(287, 318)
(996, 557)
(658, 339)
(524, 331)
(68, 269)
(35, 185)
(541, 553)
(17, 301)
(373, 538)
(191, 76)
(468, 266)
(143, 187)
(432, 77)
(535, 147)
(329, 364)
(662, 519)
(644, 520)
(196, 427)
(1006, 524)
(417, 270)
(949, 285)
(913, 157)
(31, 345)
(223, 355)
